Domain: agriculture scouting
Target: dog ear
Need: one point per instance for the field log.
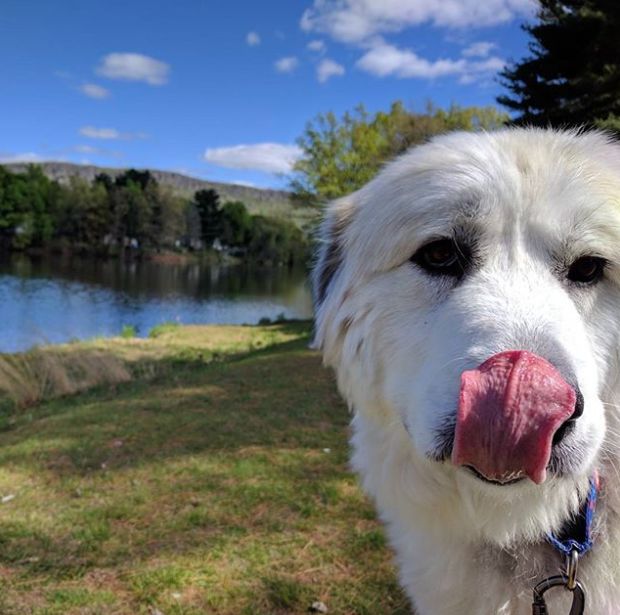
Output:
(330, 252)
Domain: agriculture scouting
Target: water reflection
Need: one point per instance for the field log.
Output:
(57, 299)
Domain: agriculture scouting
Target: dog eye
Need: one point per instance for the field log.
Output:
(441, 257)
(587, 270)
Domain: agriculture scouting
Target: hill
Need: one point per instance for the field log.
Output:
(268, 202)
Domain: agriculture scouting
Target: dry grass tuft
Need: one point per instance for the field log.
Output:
(30, 377)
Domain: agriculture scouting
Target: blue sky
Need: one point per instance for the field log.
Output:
(220, 89)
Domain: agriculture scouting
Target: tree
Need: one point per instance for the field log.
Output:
(572, 77)
(83, 217)
(276, 242)
(133, 176)
(28, 204)
(207, 203)
(341, 155)
(236, 224)
(105, 180)
(101, 216)
(167, 220)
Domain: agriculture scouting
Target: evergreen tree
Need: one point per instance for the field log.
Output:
(572, 77)
(133, 176)
(207, 203)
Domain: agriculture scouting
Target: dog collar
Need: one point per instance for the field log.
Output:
(576, 534)
(574, 540)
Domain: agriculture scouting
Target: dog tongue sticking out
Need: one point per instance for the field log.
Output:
(509, 410)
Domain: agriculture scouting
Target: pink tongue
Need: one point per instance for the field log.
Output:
(509, 410)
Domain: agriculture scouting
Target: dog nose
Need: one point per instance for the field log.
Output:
(568, 425)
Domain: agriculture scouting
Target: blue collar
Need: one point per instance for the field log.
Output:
(576, 533)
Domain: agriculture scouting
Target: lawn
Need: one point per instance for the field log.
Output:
(211, 478)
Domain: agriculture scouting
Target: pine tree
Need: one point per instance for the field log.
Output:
(572, 77)
(207, 204)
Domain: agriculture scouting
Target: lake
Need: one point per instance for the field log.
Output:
(52, 300)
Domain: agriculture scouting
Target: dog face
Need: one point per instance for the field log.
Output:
(468, 298)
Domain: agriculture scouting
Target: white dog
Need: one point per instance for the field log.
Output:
(469, 300)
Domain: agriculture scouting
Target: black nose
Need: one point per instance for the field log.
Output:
(569, 424)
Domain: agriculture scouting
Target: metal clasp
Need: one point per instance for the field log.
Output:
(572, 561)
(568, 581)
(539, 606)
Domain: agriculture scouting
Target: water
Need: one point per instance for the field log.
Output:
(52, 300)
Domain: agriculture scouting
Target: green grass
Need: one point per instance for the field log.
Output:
(201, 486)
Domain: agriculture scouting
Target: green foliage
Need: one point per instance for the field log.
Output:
(96, 217)
(236, 224)
(207, 204)
(131, 176)
(259, 238)
(83, 216)
(163, 328)
(276, 242)
(134, 213)
(28, 202)
(129, 331)
(571, 76)
(341, 155)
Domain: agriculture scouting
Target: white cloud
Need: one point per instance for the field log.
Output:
(490, 65)
(16, 158)
(385, 60)
(97, 151)
(477, 71)
(286, 65)
(99, 133)
(328, 68)
(252, 39)
(86, 149)
(316, 45)
(267, 157)
(109, 133)
(134, 67)
(92, 90)
(481, 49)
(354, 21)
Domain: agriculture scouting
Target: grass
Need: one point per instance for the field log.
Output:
(214, 481)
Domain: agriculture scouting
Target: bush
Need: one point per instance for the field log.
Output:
(163, 328)
(236, 224)
(276, 242)
(129, 331)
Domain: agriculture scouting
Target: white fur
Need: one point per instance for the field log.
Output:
(399, 340)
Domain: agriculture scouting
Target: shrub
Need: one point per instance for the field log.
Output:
(129, 331)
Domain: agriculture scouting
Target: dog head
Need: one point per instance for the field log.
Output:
(468, 298)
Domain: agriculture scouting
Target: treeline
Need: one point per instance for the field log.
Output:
(134, 214)
(341, 154)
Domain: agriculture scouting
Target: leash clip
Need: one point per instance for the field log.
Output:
(572, 561)
(568, 581)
